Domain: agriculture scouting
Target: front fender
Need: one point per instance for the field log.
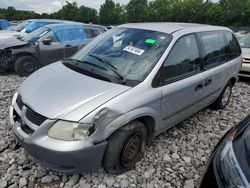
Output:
(103, 132)
(25, 50)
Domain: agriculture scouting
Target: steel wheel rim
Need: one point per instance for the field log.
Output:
(131, 150)
(28, 67)
(226, 96)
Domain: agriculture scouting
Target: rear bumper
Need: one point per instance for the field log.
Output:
(245, 70)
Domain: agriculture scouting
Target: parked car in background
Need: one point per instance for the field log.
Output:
(122, 89)
(4, 24)
(245, 46)
(240, 34)
(43, 46)
(15, 23)
(27, 27)
(229, 165)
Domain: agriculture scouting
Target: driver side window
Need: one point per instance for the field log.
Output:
(182, 61)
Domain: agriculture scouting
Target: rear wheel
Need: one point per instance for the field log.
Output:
(224, 97)
(125, 148)
(26, 65)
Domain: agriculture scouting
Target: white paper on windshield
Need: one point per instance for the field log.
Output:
(134, 50)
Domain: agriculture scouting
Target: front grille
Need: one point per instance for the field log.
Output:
(19, 102)
(27, 129)
(24, 127)
(34, 117)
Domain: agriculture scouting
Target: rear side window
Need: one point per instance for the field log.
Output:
(214, 46)
(91, 33)
(233, 46)
(71, 35)
(182, 61)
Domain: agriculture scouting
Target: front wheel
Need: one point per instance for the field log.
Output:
(224, 98)
(125, 148)
(26, 65)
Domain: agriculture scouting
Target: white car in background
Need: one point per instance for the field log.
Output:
(27, 27)
(245, 46)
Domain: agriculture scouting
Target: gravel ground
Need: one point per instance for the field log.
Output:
(176, 158)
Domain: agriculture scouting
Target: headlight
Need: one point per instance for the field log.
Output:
(230, 169)
(70, 131)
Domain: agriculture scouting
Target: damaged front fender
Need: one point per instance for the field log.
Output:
(5, 60)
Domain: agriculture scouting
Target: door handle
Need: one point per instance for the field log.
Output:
(198, 87)
(208, 82)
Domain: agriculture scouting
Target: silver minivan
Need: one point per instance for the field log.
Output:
(104, 104)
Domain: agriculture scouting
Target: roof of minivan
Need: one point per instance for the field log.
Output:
(169, 27)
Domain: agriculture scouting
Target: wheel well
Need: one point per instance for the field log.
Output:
(149, 123)
(233, 81)
(18, 55)
(24, 54)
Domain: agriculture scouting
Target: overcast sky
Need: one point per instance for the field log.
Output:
(49, 6)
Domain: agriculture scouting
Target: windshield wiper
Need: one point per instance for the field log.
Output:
(80, 61)
(111, 67)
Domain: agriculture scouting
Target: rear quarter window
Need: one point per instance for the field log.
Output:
(214, 48)
(233, 46)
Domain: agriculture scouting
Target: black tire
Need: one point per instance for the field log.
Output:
(26, 65)
(130, 137)
(224, 98)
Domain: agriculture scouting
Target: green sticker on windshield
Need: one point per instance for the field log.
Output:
(150, 41)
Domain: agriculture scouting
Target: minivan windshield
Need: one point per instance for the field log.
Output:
(36, 35)
(245, 41)
(127, 53)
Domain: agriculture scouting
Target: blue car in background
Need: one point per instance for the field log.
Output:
(27, 27)
(4, 24)
(45, 45)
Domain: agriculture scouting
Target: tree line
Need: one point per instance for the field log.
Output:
(224, 12)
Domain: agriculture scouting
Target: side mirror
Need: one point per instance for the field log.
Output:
(47, 41)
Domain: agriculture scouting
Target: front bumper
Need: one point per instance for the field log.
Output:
(63, 156)
(86, 160)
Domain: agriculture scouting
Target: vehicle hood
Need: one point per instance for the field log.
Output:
(58, 92)
(246, 53)
(11, 42)
(8, 34)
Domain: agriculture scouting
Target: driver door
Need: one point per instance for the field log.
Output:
(50, 53)
(181, 82)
